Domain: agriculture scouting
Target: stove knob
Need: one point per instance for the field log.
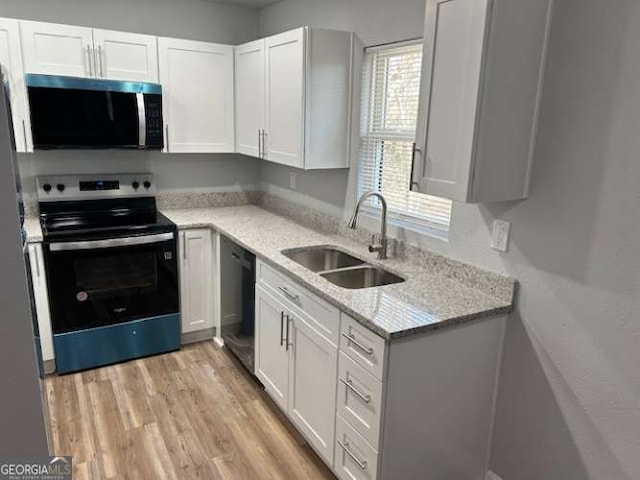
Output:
(60, 187)
(135, 185)
(46, 187)
(147, 184)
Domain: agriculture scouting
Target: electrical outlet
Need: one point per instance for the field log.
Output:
(292, 180)
(500, 237)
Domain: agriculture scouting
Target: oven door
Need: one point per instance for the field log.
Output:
(97, 283)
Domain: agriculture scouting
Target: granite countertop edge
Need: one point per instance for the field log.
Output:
(363, 320)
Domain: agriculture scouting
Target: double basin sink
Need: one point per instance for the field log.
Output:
(342, 269)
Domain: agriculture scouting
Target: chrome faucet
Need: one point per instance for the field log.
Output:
(380, 247)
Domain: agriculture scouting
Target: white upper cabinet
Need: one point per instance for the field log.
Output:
(307, 76)
(53, 49)
(285, 77)
(198, 100)
(126, 56)
(482, 74)
(11, 61)
(250, 97)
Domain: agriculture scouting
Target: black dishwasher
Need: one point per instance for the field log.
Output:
(238, 279)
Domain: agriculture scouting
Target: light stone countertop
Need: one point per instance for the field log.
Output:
(426, 301)
(33, 229)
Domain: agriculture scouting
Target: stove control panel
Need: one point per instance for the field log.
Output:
(54, 188)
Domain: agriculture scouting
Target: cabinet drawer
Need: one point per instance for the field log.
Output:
(323, 317)
(355, 459)
(359, 399)
(362, 345)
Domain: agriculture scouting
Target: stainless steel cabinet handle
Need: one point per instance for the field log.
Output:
(281, 328)
(89, 61)
(264, 144)
(291, 296)
(364, 397)
(184, 246)
(413, 183)
(352, 339)
(24, 133)
(287, 340)
(100, 61)
(259, 143)
(34, 250)
(166, 137)
(347, 449)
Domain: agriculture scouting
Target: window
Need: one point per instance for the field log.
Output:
(390, 97)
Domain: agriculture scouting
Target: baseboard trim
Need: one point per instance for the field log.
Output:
(492, 476)
(199, 336)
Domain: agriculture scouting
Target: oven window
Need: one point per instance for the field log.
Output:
(102, 277)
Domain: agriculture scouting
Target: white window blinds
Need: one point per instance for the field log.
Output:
(390, 97)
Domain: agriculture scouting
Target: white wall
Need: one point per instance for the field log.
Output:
(569, 404)
(193, 19)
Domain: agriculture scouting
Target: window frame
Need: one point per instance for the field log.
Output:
(370, 92)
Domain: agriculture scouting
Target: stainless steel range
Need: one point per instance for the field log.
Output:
(112, 269)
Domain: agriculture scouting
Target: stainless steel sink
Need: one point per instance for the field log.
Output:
(365, 276)
(319, 259)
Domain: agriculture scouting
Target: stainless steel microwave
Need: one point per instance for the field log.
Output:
(88, 113)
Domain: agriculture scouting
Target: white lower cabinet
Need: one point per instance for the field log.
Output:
(415, 407)
(295, 362)
(312, 385)
(196, 280)
(41, 300)
(355, 458)
(272, 355)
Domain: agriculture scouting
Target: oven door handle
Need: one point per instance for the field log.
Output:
(111, 243)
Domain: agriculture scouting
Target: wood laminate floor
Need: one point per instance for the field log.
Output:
(189, 414)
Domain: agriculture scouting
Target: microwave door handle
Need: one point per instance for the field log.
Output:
(142, 121)
(111, 243)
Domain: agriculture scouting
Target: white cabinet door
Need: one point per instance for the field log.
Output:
(285, 83)
(196, 280)
(39, 282)
(250, 90)
(53, 49)
(312, 386)
(455, 33)
(11, 61)
(197, 81)
(272, 355)
(126, 56)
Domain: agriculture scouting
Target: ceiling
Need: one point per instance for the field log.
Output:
(254, 4)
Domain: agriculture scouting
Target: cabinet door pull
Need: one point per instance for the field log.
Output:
(281, 328)
(264, 144)
(166, 137)
(184, 246)
(412, 182)
(352, 339)
(287, 340)
(259, 143)
(37, 260)
(292, 296)
(347, 449)
(89, 69)
(365, 398)
(100, 61)
(24, 133)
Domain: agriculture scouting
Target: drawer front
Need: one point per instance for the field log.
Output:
(363, 346)
(355, 459)
(324, 317)
(359, 399)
